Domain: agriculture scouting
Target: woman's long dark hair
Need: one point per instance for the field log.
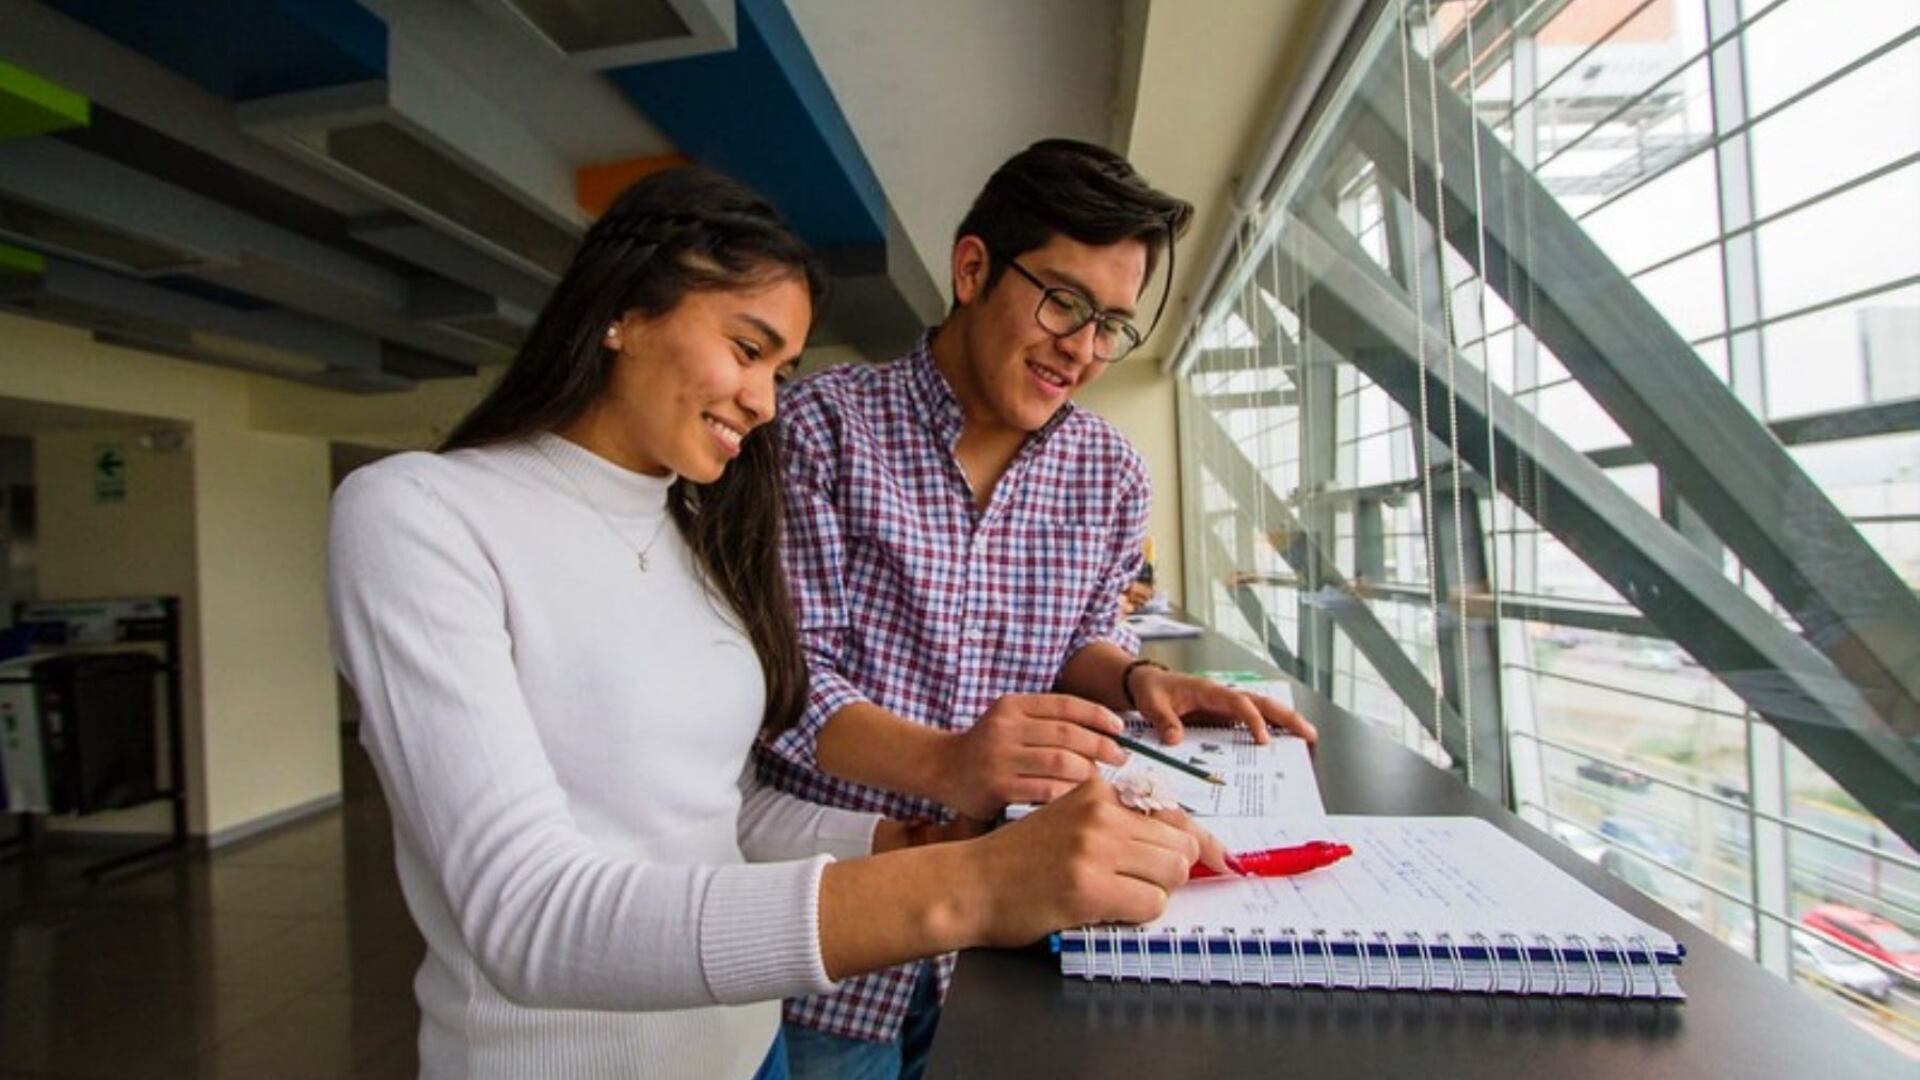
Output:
(669, 234)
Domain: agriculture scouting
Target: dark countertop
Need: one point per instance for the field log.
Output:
(1011, 1014)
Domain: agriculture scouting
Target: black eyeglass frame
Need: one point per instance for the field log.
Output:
(1127, 331)
(1134, 336)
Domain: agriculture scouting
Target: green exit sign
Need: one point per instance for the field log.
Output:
(109, 473)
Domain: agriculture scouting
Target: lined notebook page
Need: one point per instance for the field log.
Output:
(1427, 875)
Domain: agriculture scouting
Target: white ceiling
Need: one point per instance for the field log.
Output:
(576, 111)
(940, 92)
(1214, 77)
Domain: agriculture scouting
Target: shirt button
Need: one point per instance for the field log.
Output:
(974, 632)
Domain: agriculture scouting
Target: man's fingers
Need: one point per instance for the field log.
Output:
(1052, 763)
(1286, 719)
(1245, 712)
(1074, 709)
(1034, 789)
(1079, 740)
(1158, 712)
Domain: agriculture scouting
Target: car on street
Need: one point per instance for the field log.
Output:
(1607, 774)
(1660, 657)
(1731, 792)
(1835, 967)
(1583, 843)
(1644, 839)
(1878, 937)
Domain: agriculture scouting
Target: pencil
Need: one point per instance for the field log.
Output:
(1167, 759)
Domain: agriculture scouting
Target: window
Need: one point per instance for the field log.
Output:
(1704, 197)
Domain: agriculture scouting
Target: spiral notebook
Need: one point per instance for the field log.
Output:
(1427, 903)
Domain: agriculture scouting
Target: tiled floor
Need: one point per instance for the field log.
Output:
(289, 956)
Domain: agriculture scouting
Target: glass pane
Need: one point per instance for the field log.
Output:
(1677, 210)
(1801, 265)
(1803, 41)
(1859, 352)
(1689, 293)
(1635, 755)
(1851, 124)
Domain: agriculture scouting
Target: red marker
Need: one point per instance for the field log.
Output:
(1278, 862)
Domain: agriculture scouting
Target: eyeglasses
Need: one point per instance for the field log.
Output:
(1063, 311)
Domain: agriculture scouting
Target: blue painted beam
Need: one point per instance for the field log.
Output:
(763, 113)
(246, 49)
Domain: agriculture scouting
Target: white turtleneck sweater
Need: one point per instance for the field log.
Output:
(563, 740)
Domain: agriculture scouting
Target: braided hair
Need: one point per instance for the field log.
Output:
(670, 234)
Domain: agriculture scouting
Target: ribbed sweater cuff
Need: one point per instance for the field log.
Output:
(847, 834)
(760, 932)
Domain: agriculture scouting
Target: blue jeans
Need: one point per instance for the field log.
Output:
(775, 1067)
(815, 1055)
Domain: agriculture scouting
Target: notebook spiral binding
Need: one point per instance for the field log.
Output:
(1254, 958)
(1493, 960)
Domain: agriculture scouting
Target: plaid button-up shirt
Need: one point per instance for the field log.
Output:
(912, 598)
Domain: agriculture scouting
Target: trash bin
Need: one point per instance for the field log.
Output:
(97, 714)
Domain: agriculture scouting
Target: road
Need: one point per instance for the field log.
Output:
(1699, 748)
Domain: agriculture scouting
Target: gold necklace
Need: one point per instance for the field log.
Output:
(640, 553)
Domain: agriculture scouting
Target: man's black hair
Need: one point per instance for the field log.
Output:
(1075, 189)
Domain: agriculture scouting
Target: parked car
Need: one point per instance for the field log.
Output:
(1655, 658)
(1644, 839)
(1871, 934)
(1583, 843)
(1560, 637)
(1731, 792)
(1837, 967)
(1614, 776)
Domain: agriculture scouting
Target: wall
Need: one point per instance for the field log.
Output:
(261, 711)
(141, 546)
(1214, 76)
(1135, 397)
(989, 78)
(272, 735)
(416, 420)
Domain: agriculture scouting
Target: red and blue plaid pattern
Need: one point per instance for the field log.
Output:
(913, 599)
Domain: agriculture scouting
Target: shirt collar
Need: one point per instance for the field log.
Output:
(939, 407)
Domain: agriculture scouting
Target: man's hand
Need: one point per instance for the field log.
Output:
(1027, 748)
(1170, 700)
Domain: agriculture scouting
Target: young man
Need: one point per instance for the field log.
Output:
(958, 538)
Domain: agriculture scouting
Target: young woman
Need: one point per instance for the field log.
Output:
(566, 631)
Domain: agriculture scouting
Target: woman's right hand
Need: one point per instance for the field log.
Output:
(1081, 859)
